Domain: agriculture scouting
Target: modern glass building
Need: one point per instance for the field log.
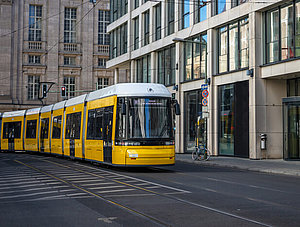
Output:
(248, 52)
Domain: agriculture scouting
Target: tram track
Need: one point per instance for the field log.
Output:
(106, 175)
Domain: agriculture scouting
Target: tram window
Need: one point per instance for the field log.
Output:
(121, 122)
(73, 125)
(12, 130)
(44, 128)
(56, 130)
(31, 129)
(94, 128)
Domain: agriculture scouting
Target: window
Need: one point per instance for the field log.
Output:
(144, 69)
(146, 17)
(69, 60)
(33, 87)
(31, 129)
(185, 10)
(35, 23)
(200, 11)
(233, 46)
(12, 130)
(102, 83)
(170, 17)
(94, 127)
(103, 21)
(220, 6)
(118, 39)
(235, 3)
(34, 59)
(136, 33)
(56, 128)
(44, 128)
(195, 58)
(282, 33)
(136, 3)
(69, 83)
(157, 11)
(118, 8)
(73, 124)
(166, 66)
(102, 62)
(70, 25)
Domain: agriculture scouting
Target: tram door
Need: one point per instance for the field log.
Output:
(11, 142)
(44, 133)
(107, 133)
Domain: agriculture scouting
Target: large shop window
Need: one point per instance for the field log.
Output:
(166, 66)
(192, 111)
(234, 119)
(233, 48)
(282, 33)
(195, 58)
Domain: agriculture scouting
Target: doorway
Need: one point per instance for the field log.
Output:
(291, 128)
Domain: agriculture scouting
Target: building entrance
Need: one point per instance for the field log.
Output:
(291, 128)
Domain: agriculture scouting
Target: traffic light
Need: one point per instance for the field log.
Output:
(63, 91)
(44, 90)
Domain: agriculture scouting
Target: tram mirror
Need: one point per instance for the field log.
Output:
(177, 108)
(123, 109)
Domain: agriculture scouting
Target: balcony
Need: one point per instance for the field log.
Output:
(34, 46)
(70, 48)
(101, 50)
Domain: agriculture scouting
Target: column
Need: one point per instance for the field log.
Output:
(116, 75)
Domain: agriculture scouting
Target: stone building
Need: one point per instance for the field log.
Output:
(62, 42)
(248, 54)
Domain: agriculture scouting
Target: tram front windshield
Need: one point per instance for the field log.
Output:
(147, 119)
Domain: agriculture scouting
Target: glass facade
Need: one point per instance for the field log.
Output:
(118, 8)
(195, 58)
(143, 69)
(166, 66)
(118, 40)
(282, 32)
(193, 109)
(226, 119)
(200, 11)
(220, 6)
(157, 10)
(233, 46)
(136, 33)
(185, 19)
(170, 17)
(146, 17)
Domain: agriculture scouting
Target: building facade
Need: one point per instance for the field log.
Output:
(60, 42)
(248, 52)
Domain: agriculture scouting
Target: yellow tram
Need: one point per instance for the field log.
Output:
(123, 125)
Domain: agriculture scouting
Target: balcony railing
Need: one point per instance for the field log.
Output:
(70, 47)
(101, 49)
(39, 46)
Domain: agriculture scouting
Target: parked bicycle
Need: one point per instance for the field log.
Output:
(201, 153)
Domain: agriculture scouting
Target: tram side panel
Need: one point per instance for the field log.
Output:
(31, 133)
(12, 133)
(73, 131)
(57, 132)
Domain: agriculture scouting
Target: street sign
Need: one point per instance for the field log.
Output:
(205, 93)
(204, 102)
(204, 87)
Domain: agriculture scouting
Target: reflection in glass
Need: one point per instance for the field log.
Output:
(244, 43)
(223, 49)
(226, 120)
(287, 49)
(188, 61)
(297, 26)
(233, 47)
(272, 36)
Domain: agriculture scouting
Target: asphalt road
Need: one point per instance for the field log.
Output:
(39, 190)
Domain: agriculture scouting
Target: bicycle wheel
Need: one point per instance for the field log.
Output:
(207, 154)
(195, 155)
(201, 154)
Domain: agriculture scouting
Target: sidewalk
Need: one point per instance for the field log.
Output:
(275, 166)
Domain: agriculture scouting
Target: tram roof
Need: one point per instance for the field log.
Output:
(59, 105)
(18, 113)
(131, 89)
(74, 101)
(46, 109)
(33, 111)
